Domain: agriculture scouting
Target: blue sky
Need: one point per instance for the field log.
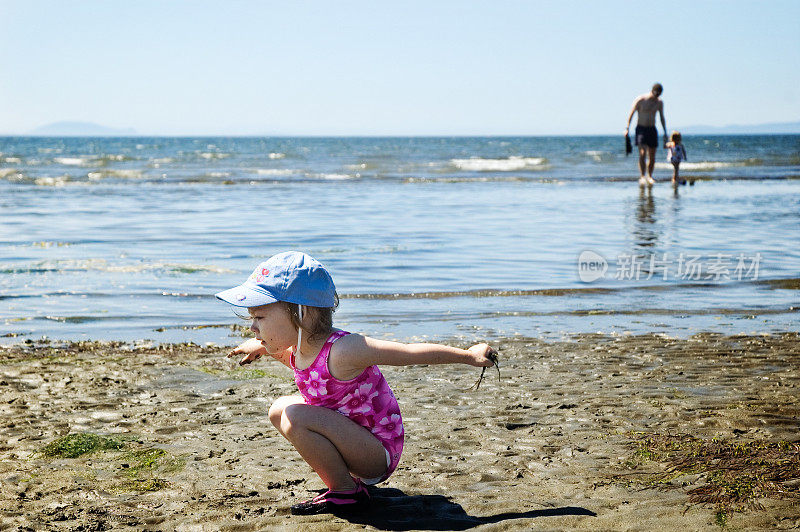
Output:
(394, 68)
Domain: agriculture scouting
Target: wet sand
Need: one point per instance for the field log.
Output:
(552, 446)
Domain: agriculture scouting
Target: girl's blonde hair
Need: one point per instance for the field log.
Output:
(318, 320)
(675, 137)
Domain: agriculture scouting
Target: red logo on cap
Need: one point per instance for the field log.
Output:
(264, 271)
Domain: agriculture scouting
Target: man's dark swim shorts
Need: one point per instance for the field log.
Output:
(646, 136)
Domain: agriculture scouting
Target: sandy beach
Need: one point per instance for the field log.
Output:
(182, 441)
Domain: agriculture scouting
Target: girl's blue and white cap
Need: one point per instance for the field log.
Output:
(291, 276)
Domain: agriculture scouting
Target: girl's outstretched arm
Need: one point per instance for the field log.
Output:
(360, 352)
(253, 349)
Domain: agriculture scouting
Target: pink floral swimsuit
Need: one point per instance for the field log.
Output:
(366, 399)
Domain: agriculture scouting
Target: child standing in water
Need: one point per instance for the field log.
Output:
(345, 423)
(675, 154)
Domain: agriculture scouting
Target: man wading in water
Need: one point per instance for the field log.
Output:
(646, 106)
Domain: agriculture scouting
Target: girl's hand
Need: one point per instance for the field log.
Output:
(252, 350)
(483, 356)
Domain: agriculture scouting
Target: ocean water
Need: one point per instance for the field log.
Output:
(129, 238)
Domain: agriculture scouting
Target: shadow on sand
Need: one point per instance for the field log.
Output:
(392, 509)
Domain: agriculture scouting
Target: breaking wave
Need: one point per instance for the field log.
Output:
(510, 164)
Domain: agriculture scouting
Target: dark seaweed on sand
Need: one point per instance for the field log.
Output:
(736, 473)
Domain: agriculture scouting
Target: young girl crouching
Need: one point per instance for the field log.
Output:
(345, 422)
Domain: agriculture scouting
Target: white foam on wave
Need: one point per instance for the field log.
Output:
(127, 174)
(702, 165)
(13, 160)
(334, 177)
(275, 171)
(214, 155)
(277, 155)
(116, 157)
(5, 172)
(511, 164)
(72, 161)
(57, 181)
(124, 174)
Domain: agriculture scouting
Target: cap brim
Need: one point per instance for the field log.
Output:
(246, 296)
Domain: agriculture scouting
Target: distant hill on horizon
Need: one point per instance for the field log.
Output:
(80, 129)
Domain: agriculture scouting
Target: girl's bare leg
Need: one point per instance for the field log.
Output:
(332, 444)
(675, 172)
